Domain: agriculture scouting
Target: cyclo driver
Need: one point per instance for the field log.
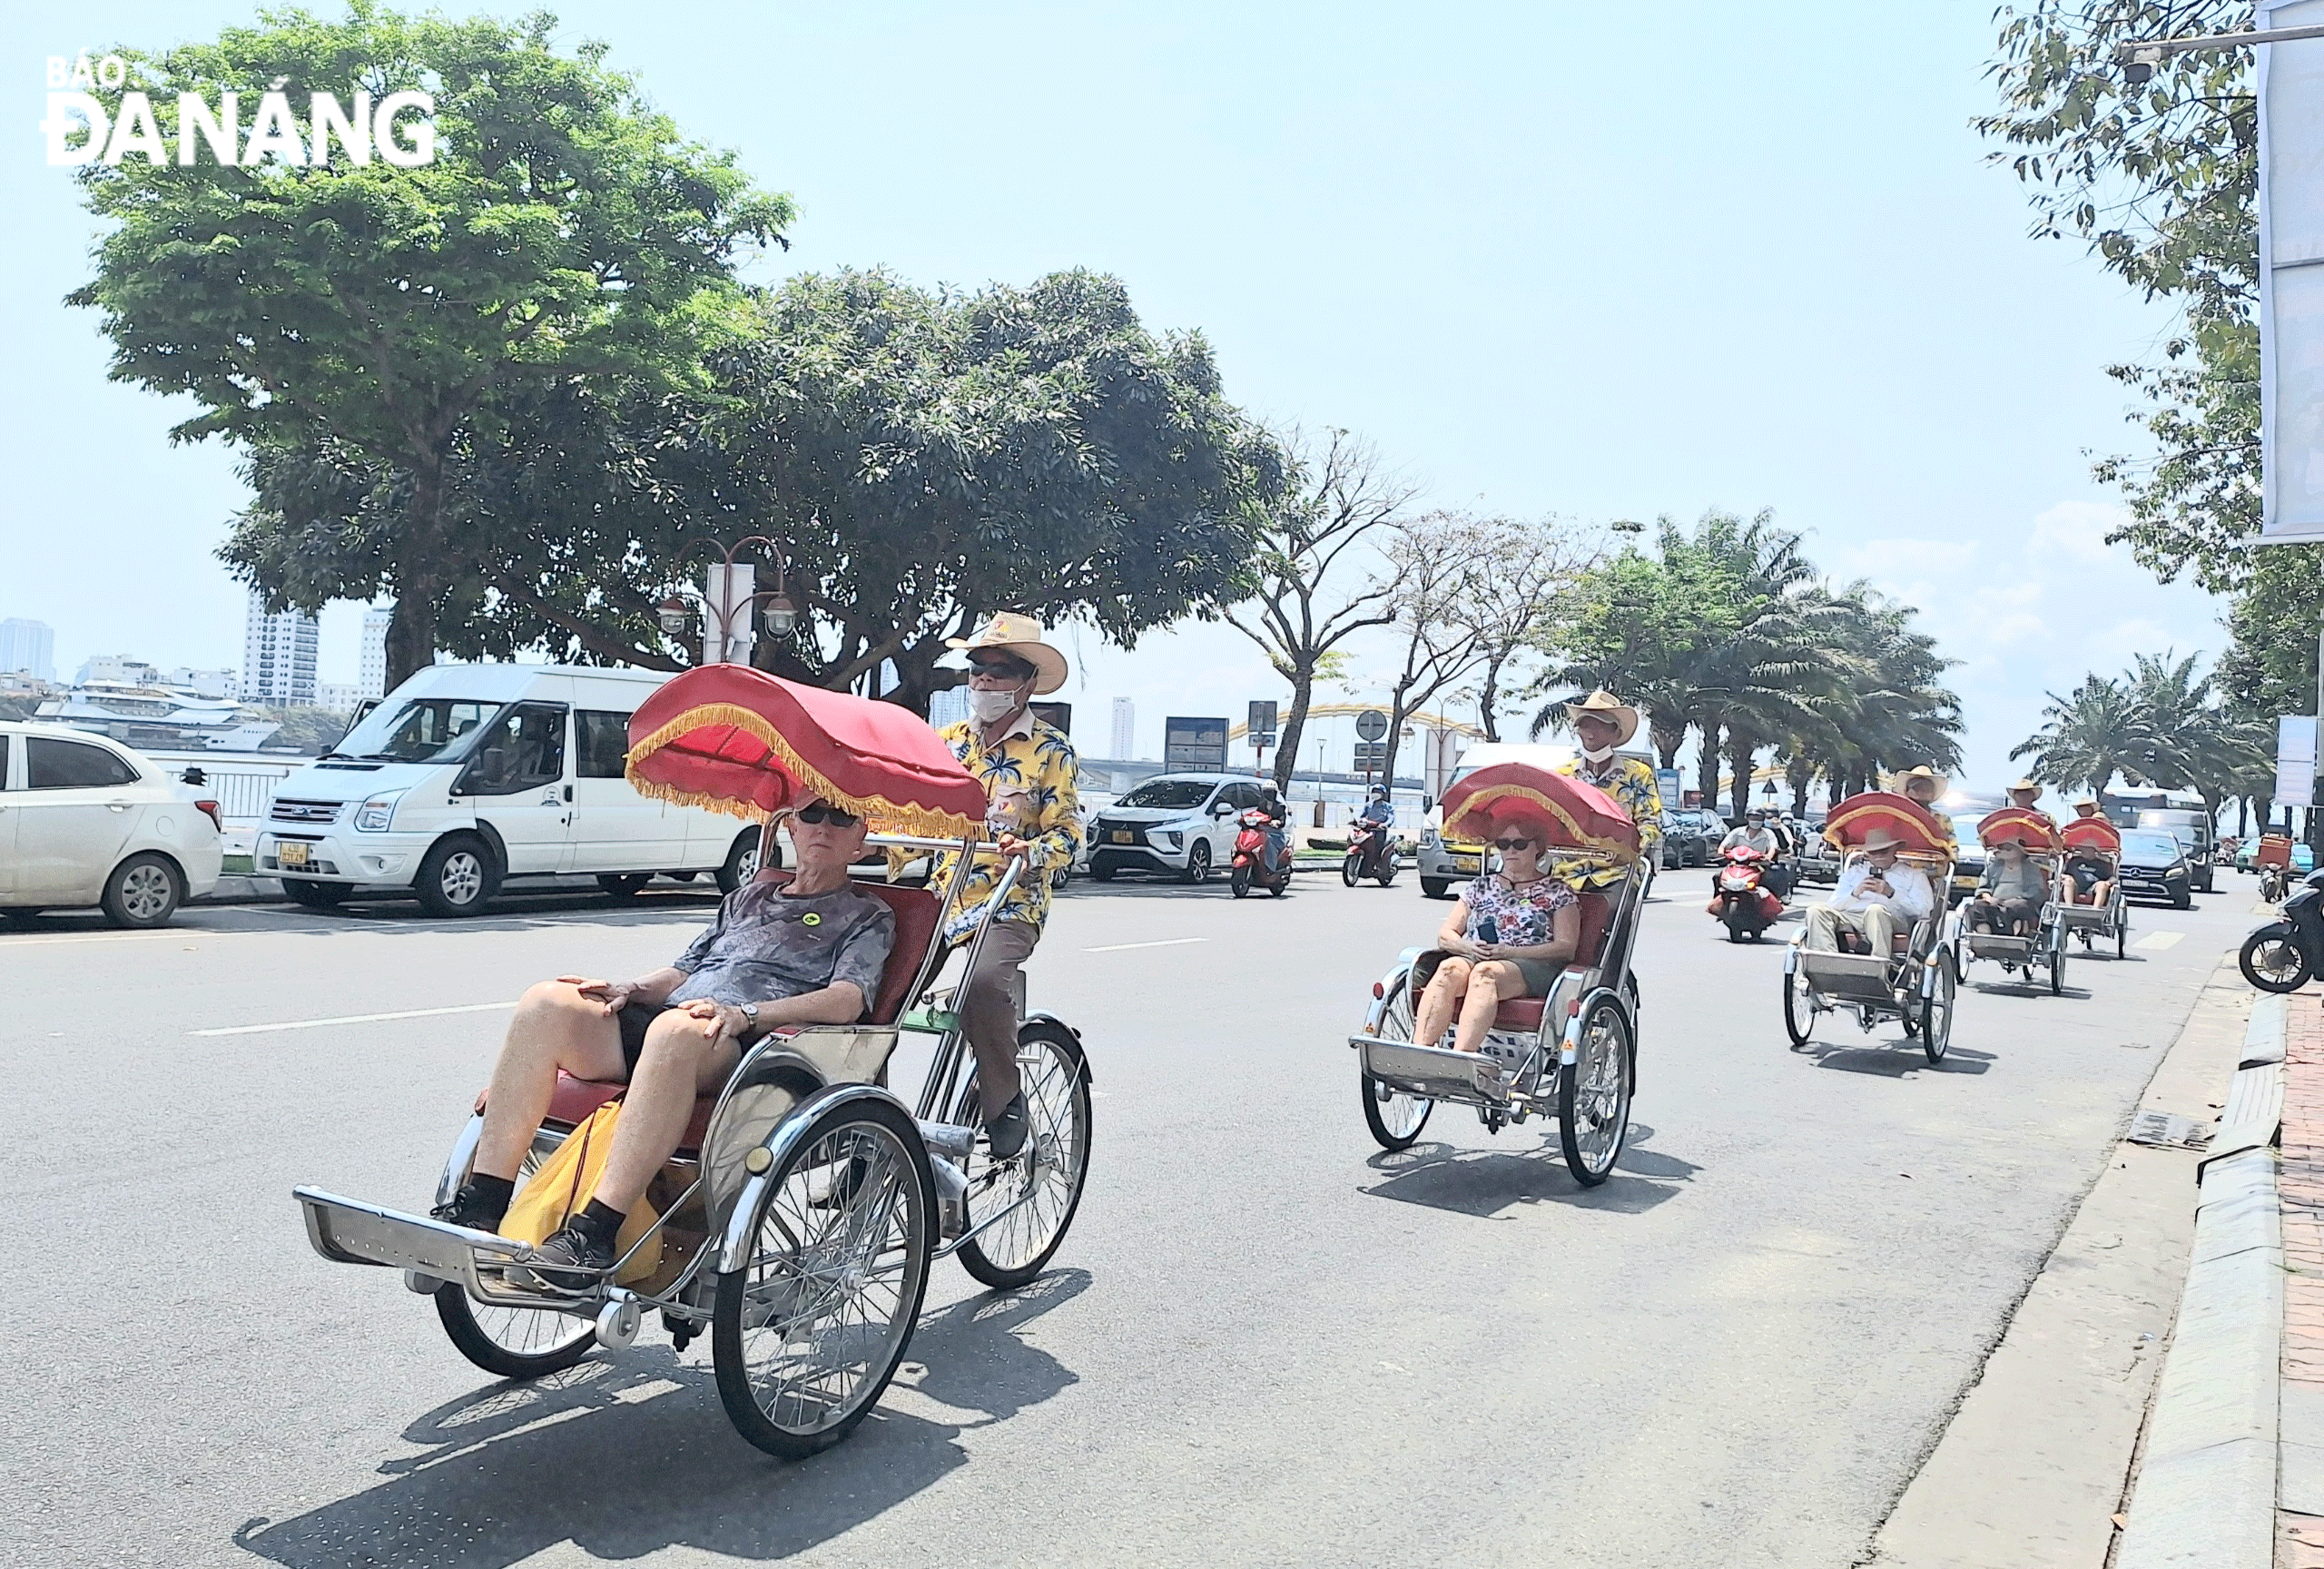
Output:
(1027, 770)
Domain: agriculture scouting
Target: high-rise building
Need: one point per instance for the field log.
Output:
(279, 657)
(948, 706)
(1125, 730)
(371, 674)
(29, 646)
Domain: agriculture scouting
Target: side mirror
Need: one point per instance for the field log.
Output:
(1221, 808)
(1427, 804)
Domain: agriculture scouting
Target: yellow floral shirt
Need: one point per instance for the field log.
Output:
(1630, 782)
(1030, 778)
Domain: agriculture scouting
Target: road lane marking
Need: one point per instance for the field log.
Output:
(2158, 940)
(178, 934)
(354, 1018)
(1163, 942)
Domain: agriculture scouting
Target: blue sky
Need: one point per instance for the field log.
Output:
(1602, 262)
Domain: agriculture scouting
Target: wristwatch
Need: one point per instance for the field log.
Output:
(751, 1013)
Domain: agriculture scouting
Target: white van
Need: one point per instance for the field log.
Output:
(468, 776)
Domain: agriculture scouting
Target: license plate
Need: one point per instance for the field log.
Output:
(1468, 864)
(1124, 836)
(290, 857)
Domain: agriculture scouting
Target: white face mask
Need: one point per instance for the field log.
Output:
(993, 707)
(1596, 755)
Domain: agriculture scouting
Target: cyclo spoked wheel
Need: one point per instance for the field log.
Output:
(1395, 1117)
(514, 1342)
(1798, 1022)
(807, 1333)
(1594, 1094)
(2058, 965)
(1046, 1175)
(1936, 1013)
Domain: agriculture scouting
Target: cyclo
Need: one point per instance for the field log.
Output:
(1914, 984)
(2094, 923)
(1572, 1054)
(798, 1219)
(2045, 947)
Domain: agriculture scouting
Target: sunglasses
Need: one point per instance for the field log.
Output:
(1000, 670)
(821, 812)
(1512, 844)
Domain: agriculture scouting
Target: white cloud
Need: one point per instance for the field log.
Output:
(2076, 531)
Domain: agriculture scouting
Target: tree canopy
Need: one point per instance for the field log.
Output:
(384, 320)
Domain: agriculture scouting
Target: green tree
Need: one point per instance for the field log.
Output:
(2085, 739)
(564, 231)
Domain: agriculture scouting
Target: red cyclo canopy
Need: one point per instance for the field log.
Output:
(743, 742)
(1901, 815)
(2093, 834)
(1572, 815)
(2020, 824)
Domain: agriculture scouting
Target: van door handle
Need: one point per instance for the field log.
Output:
(568, 792)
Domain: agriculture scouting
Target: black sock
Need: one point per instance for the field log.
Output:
(599, 1219)
(493, 1194)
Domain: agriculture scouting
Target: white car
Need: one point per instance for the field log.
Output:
(1179, 824)
(83, 820)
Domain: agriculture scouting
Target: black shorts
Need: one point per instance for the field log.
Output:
(634, 1020)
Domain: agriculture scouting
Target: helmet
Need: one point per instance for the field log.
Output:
(1379, 793)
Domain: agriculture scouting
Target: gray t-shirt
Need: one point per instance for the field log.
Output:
(766, 944)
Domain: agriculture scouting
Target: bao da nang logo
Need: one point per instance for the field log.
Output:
(401, 128)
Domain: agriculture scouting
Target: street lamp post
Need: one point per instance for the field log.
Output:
(719, 613)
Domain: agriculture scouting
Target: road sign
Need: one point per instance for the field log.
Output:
(1371, 756)
(2295, 760)
(1262, 721)
(1199, 743)
(1371, 723)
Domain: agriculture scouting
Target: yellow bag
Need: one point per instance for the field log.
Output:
(561, 1187)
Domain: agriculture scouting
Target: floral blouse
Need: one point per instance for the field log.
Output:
(1523, 914)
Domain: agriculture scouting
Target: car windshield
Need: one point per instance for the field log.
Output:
(2151, 846)
(1965, 829)
(424, 730)
(1168, 792)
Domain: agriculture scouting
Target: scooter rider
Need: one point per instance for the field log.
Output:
(1278, 819)
(1758, 832)
(1379, 812)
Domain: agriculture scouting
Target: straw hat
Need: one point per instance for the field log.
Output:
(1900, 783)
(1880, 839)
(1603, 705)
(2089, 801)
(1019, 637)
(2027, 784)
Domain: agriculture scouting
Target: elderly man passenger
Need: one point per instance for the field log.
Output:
(1510, 934)
(1877, 895)
(808, 952)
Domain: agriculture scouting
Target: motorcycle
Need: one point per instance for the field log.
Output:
(1746, 908)
(2273, 881)
(2284, 954)
(1250, 865)
(1370, 853)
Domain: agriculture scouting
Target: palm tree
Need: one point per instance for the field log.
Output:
(2086, 739)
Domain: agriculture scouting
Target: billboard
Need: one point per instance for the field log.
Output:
(2295, 759)
(1198, 743)
(2292, 276)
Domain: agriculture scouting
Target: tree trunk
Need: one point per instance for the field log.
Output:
(411, 630)
(1488, 699)
(1667, 743)
(1740, 749)
(1707, 765)
(1286, 751)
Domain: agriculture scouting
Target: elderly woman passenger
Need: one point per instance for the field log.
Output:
(2009, 899)
(1510, 934)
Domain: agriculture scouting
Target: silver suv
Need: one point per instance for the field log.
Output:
(1179, 824)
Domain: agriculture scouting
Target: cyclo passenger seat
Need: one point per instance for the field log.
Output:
(917, 911)
(1524, 1013)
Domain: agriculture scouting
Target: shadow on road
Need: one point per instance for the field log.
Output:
(1484, 1182)
(624, 1457)
(1897, 1059)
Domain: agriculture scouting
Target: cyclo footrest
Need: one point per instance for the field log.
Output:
(1428, 1071)
(349, 1231)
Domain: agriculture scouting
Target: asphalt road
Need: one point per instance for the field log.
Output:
(1265, 1342)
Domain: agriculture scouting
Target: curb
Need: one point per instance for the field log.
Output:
(2205, 1492)
(234, 888)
